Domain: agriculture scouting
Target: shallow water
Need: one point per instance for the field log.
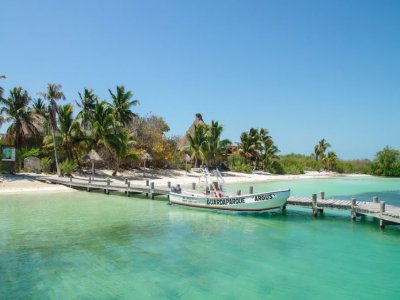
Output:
(92, 246)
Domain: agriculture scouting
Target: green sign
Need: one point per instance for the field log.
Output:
(7, 153)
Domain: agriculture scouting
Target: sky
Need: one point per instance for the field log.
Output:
(303, 69)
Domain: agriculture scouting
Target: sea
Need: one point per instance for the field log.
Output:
(84, 245)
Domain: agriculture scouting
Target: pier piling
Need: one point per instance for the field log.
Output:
(251, 190)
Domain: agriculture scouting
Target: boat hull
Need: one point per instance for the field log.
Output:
(246, 203)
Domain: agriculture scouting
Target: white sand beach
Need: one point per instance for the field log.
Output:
(25, 182)
(12, 184)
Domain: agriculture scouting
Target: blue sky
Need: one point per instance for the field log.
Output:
(305, 70)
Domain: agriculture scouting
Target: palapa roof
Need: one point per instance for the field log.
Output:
(93, 155)
(185, 143)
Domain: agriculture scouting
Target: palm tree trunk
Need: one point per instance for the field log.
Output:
(53, 111)
(55, 152)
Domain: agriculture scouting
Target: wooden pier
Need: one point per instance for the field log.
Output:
(105, 185)
(386, 214)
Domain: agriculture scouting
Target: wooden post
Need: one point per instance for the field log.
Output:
(382, 224)
(251, 190)
(129, 186)
(89, 182)
(239, 192)
(147, 182)
(353, 213)
(152, 190)
(314, 204)
(375, 199)
(383, 204)
(126, 180)
(169, 184)
(322, 195)
(193, 185)
(108, 186)
(70, 181)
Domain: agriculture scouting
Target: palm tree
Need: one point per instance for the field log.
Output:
(198, 142)
(69, 131)
(332, 160)
(23, 121)
(52, 95)
(214, 145)
(1, 88)
(249, 145)
(86, 104)
(102, 123)
(120, 143)
(320, 148)
(121, 104)
(39, 107)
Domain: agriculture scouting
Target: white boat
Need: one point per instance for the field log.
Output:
(212, 196)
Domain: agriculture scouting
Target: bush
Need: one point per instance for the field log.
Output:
(67, 167)
(237, 163)
(45, 164)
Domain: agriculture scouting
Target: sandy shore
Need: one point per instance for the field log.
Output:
(13, 184)
(24, 182)
(181, 177)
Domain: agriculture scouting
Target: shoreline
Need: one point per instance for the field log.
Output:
(25, 182)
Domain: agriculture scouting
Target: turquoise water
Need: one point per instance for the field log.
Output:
(92, 246)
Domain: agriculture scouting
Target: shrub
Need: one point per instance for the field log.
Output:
(237, 163)
(67, 167)
(45, 164)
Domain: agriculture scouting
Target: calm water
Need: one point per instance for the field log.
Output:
(91, 246)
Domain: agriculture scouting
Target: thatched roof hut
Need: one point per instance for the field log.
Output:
(185, 143)
(93, 156)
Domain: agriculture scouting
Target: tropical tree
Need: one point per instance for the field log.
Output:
(69, 130)
(40, 107)
(320, 148)
(102, 122)
(215, 147)
(86, 104)
(1, 88)
(258, 148)
(249, 144)
(121, 145)
(121, 105)
(329, 161)
(198, 141)
(53, 94)
(23, 123)
(386, 162)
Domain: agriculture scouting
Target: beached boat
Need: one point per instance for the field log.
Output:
(211, 195)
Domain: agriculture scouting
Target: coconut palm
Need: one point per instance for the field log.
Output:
(120, 144)
(331, 160)
(23, 123)
(198, 142)
(249, 145)
(214, 145)
(320, 148)
(102, 122)
(40, 107)
(69, 130)
(86, 104)
(53, 94)
(121, 104)
(1, 88)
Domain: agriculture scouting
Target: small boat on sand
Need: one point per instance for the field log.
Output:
(214, 197)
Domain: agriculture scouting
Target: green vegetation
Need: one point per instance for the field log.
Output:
(386, 163)
(62, 138)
